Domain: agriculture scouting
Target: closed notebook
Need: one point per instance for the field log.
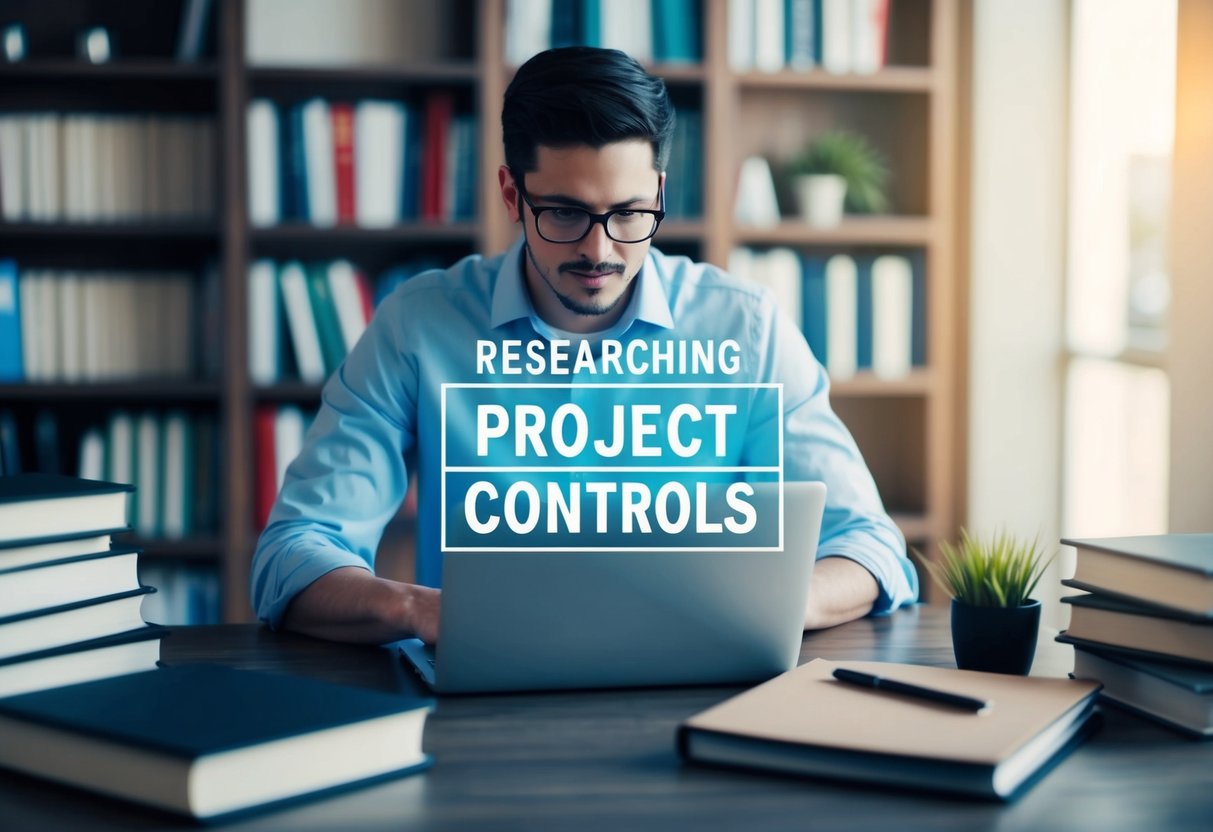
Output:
(35, 506)
(1173, 570)
(1140, 627)
(806, 722)
(1175, 695)
(211, 741)
(82, 661)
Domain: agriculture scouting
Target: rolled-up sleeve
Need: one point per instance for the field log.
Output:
(350, 477)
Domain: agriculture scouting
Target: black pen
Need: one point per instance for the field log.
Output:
(867, 680)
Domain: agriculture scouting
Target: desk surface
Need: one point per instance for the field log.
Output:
(606, 760)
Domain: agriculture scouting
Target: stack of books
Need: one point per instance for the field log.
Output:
(1144, 628)
(69, 597)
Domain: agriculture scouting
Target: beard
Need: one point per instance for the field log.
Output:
(590, 306)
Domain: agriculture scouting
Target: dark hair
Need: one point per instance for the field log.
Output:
(583, 95)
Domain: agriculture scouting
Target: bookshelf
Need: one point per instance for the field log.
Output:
(909, 428)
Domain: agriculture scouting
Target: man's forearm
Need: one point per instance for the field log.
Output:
(841, 591)
(351, 604)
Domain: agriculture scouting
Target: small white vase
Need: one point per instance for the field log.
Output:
(821, 197)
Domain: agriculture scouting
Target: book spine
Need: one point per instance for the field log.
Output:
(343, 161)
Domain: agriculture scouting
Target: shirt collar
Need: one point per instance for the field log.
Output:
(511, 301)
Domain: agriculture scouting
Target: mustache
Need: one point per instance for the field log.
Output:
(587, 266)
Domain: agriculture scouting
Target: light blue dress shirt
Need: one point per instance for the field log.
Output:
(385, 400)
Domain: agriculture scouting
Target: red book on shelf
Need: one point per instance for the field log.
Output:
(343, 159)
(365, 294)
(439, 107)
(265, 469)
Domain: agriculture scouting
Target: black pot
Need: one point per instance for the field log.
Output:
(995, 639)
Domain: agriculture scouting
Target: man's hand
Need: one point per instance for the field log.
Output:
(352, 604)
(841, 590)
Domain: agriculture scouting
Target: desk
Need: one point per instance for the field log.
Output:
(605, 760)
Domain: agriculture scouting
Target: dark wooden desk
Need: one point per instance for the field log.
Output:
(605, 760)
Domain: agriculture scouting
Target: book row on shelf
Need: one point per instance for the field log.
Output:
(371, 163)
(87, 167)
(171, 455)
(278, 432)
(1143, 625)
(840, 36)
(84, 326)
(858, 312)
(662, 31)
(186, 593)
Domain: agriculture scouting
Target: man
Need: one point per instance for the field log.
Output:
(587, 136)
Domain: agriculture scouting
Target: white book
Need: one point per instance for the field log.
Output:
(842, 316)
(528, 26)
(343, 288)
(50, 355)
(756, 204)
(301, 322)
(30, 300)
(35, 206)
(107, 168)
(288, 439)
(133, 172)
(92, 455)
(52, 165)
(892, 316)
(14, 172)
(88, 173)
(149, 462)
(71, 168)
(836, 36)
(96, 300)
(768, 35)
(867, 35)
(120, 441)
(783, 274)
(173, 510)
(378, 162)
(263, 337)
(627, 25)
(71, 326)
(741, 35)
(321, 171)
(741, 263)
(153, 163)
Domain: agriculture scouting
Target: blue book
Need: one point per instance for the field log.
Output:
(11, 361)
(410, 169)
(294, 178)
(567, 25)
(863, 321)
(591, 20)
(814, 267)
(676, 31)
(463, 131)
(198, 726)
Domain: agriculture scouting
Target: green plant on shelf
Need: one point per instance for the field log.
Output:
(851, 156)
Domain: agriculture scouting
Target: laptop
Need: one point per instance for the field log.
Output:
(530, 621)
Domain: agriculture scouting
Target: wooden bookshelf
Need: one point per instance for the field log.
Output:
(909, 429)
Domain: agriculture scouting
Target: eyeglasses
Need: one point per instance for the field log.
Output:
(562, 224)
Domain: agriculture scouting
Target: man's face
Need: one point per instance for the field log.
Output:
(583, 286)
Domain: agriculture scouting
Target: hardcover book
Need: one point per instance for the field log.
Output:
(34, 506)
(806, 722)
(1174, 570)
(211, 741)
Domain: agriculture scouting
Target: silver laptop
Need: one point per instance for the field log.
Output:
(513, 621)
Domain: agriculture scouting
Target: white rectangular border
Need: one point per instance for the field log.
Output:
(776, 386)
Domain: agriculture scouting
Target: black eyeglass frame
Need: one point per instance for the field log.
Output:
(658, 214)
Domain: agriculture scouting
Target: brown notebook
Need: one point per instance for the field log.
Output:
(806, 722)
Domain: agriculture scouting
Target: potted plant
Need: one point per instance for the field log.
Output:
(994, 618)
(839, 171)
